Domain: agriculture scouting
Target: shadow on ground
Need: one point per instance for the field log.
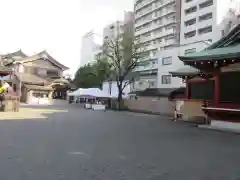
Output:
(67, 142)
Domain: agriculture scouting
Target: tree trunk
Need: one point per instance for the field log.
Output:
(119, 100)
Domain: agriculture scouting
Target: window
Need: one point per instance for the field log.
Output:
(166, 79)
(190, 34)
(191, 10)
(206, 4)
(189, 51)
(205, 30)
(205, 17)
(52, 73)
(166, 60)
(190, 22)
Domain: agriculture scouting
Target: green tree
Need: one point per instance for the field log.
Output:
(92, 75)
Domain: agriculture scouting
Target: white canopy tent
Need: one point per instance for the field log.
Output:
(94, 92)
(76, 93)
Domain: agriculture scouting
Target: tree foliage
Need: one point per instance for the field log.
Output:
(123, 54)
(92, 75)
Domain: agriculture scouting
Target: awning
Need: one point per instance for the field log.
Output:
(185, 71)
(231, 52)
(40, 88)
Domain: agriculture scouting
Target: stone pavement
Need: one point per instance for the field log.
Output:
(71, 143)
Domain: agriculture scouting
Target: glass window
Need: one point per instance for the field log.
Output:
(191, 10)
(166, 60)
(190, 22)
(190, 34)
(52, 73)
(205, 17)
(206, 4)
(166, 79)
(205, 30)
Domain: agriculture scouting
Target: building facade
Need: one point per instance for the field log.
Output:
(201, 19)
(113, 30)
(90, 48)
(35, 78)
(171, 28)
(157, 29)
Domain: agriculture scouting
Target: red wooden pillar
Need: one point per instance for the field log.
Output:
(217, 88)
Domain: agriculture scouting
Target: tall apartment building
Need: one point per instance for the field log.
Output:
(111, 31)
(171, 28)
(157, 28)
(90, 48)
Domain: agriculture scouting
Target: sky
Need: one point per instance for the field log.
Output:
(56, 26)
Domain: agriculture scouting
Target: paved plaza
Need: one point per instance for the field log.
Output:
(66, 142)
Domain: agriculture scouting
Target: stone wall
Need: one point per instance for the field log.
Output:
(9, 103)
(192, 110)
(155, 105)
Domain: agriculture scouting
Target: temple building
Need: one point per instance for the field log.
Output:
(36, 78)
(212, 77)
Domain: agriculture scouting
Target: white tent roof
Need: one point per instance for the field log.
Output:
(95, 92)
(78, 92)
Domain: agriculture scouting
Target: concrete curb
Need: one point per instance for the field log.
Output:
(208, 127)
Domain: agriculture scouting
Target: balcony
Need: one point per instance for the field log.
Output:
(154, 26)
(155, 8)
(146, 68)
(143, 84)
(142, 5)
(165, 32)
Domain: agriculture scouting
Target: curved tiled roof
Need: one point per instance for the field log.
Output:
(44, 55)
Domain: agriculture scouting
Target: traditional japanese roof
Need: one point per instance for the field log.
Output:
(229, 39)
(61, 80)
(36, 87)
(18, 53)
(231, 52)
(43, 55)
(3, 69)
(30, 79)
(154, 92)
(225, 48)
(185, 71)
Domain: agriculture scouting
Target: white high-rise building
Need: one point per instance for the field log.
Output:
(111, 31)
(157, 28)
(200, 19)
(172, 28)
(90, 48)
